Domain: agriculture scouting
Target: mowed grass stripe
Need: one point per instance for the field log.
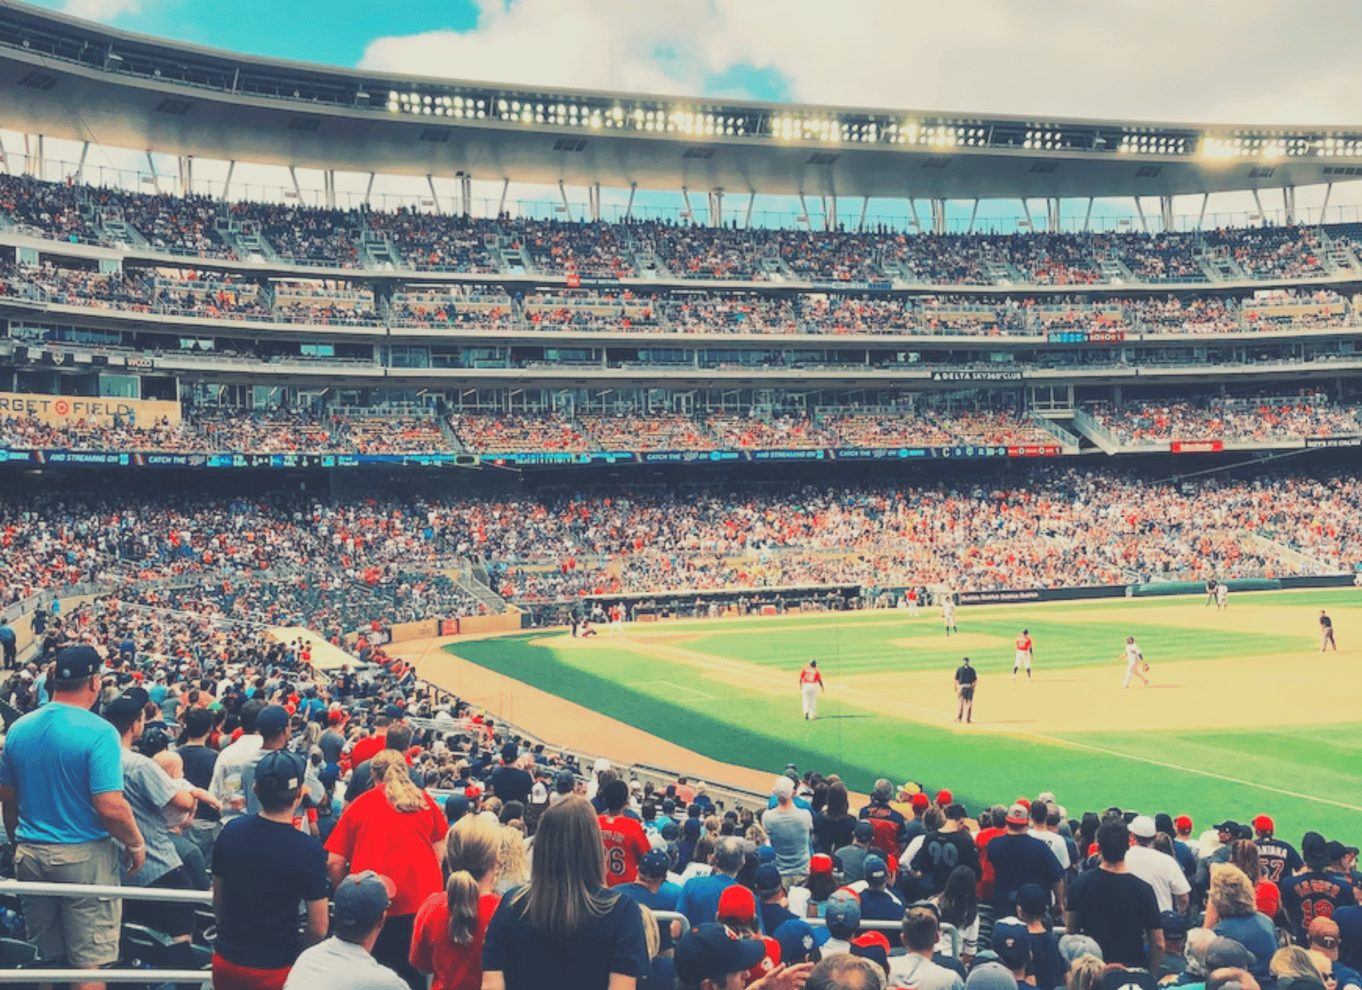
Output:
(764, 731)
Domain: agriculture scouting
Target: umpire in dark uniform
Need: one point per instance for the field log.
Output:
(965, 679)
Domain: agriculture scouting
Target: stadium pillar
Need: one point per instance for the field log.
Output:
(1289, 203)
(830, 213)
(1087, 216)
(155, 179)
(80, 169)
(567, 207)
(1258, 202)
(505, 187)
(751, 202)
(1205, 198)
(1328, 189)
(938, 216)
(912, 207)
(803, 211)
(593, 201)
(973, 214)
(1052, 217)
(865, 204)
(1166, 212)
(1026, 213)
(685, 198)
(4, 157)
(716, 208)
(466, 194)
(227, 186)
(297, 189)
(434, 196)
(369, 189)
(329, 184)
(1139, 208)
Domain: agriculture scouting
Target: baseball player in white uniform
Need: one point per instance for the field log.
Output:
(1222, 596)
(1134, 662)
(948, 613)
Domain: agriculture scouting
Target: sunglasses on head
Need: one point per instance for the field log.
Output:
(1325, 941)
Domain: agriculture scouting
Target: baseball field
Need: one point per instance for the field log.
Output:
(1244, 715)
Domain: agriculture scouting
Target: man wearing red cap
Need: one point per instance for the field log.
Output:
(1279, 858)
(738, 910)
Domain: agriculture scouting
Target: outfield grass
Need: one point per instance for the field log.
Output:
(1150, 770)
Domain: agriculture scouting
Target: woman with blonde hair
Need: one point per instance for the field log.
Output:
(1293, 963)
(392, 829)
(513, 870)
(449, 928)
(1083, 972)
(565, 928)
(1267, 895)
(1232, 911)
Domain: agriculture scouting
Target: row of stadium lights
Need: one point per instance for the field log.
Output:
(826, 129)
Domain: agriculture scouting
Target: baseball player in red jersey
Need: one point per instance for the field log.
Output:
(810, 685)
(1024, 655)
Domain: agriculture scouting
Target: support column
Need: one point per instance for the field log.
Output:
(329, 184)
(227, 186)
(189, 175)
(297, 189)
(1026, 213)
(830, 221)
(1289, 203)
(369, 189)
(1052, 215)
(751, 202)
(1323, 210)
(434, 196)
(567, 207)
(501, 206)
(973, 214)
(1257, 201)
(1087, 216)
(1166, 212)
(155, 179)
(685, 198)
(466, 193)
(1144, 224)
(803, 212)
(716, 208)
(629, 207)
(912, 208)
(593, 201)
(4, 157)
(1201, 217)
(865, 205)
(938, 216)
(80, 169)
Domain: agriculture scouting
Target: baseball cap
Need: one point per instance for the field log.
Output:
(1142, 827)
(768, 879)
(1263, 824)
(75, 662)
(1226, 952)
(692, 828)
(766, 854)
(654, 864)
(1033, 899)
(844, 910)
(820, 865)
(920, 802)
(865, 831)
(124, 709)
(1228, 825)
(736, 903)
(875, 868)
(1321, 929)
(783, 788)
(1123, 979)
(272, 720)
(1011, 942)
(1183, 823)
(1173, 923)
(456, 806)
(1314, 850)
(944, 797)
(873, 946)
(1018, 815)
(797, 941)
(990, 976)
(711, 952)
(361, 900)
(279, 773)
(1073, 946)
(1337, 850)
(510, 752)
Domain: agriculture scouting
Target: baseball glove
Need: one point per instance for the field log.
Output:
(1144, 666)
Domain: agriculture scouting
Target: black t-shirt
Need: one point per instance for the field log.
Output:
(1326, 622)
(1279, 858)
(1116, 909)
(511, 784)
(198, 770)
(941, 853)
(265, 869)
(966, 675)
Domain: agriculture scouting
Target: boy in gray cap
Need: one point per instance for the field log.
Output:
(345, 960)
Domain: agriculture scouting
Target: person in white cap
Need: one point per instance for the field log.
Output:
(1157, 869)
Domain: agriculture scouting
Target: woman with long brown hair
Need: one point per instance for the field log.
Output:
(565, 929)
(449, 928)
(392, 829)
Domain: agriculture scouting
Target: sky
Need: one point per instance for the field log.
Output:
(1246, 61)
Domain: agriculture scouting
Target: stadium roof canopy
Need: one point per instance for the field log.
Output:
(67, 78)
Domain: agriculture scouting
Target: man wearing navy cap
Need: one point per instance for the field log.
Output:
(712, 958)
(61, 784)
(653, 890)
(345, 960)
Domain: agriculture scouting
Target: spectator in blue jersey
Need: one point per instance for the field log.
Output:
(878, 901)
(1018, 858)
(1278, 857)
(700, 896)
(654, 891)
(1316, 892)
(9, 642)
(891, 828)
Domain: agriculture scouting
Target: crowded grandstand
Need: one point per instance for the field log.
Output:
(252, 448)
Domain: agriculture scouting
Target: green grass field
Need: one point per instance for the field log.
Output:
(1216, 762)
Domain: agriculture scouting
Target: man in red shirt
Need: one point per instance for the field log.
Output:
(624, 839)
(370, 746)
(810, 685)
(993, 823)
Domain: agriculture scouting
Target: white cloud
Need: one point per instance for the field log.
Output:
(101, 10)
(1228, 60)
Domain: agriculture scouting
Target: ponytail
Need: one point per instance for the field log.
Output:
(390, 768)
(471, 849)
(461, 894)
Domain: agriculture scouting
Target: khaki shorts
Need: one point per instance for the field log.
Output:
(83, 931)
